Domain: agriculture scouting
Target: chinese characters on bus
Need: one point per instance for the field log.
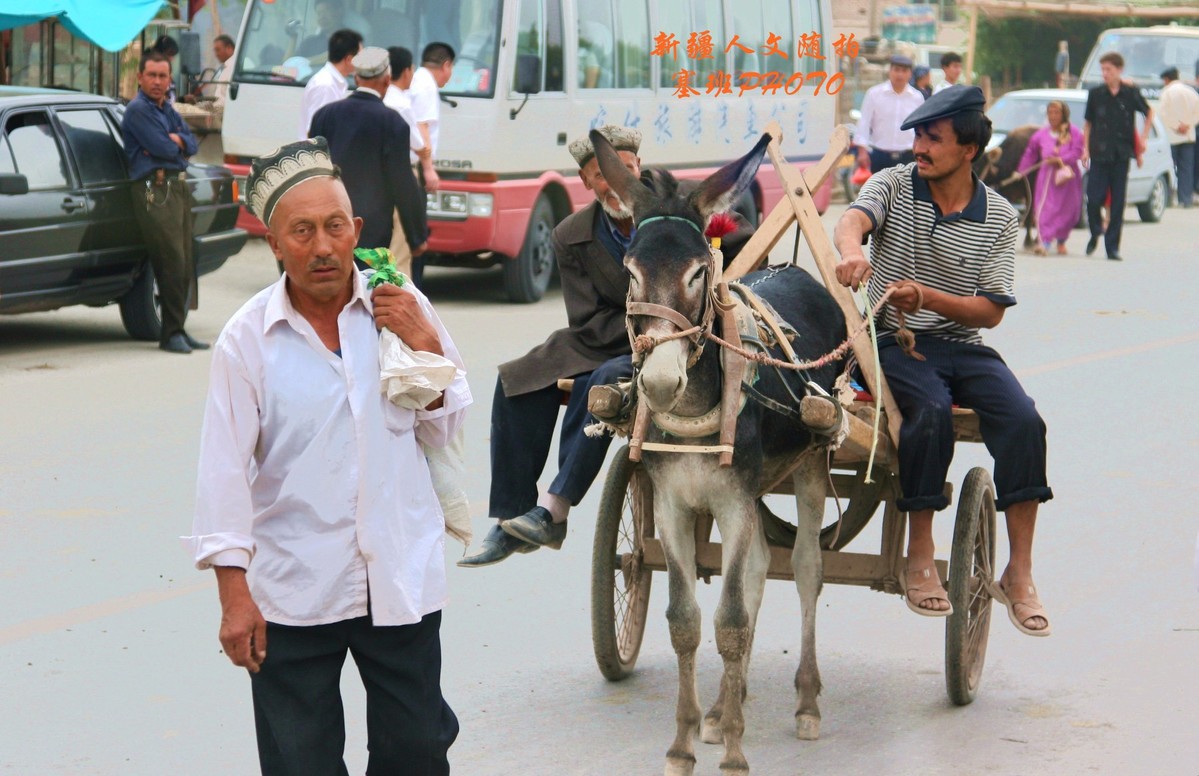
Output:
(699, 46)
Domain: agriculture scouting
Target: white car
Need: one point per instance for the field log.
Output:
(1149, 186)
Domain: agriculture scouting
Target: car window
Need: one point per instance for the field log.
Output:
(6, 162)
(90, 138)
(36, 151)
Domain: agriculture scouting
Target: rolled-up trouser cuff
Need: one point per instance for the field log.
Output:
(921, 503)
(1038, 493)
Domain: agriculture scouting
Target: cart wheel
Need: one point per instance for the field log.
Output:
(619, 584)
(864, 499)
(971, 569)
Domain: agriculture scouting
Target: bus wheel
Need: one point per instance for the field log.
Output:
(528, 275)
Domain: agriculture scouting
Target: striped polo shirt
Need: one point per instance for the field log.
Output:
(970, 253)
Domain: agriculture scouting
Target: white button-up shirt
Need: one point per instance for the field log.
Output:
(311, 479)
(882, 112)
(1179, 104)
(398, 100)
(426, 104)
(326, 85)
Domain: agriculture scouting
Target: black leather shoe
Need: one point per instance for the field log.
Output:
(176, 343)
(537, 526)
(497, 546)
(1092, 244)
(1115, 257)
(195, 343)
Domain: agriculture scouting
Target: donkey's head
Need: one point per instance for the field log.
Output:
(670, 267)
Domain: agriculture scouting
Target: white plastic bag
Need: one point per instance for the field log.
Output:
(412, 379)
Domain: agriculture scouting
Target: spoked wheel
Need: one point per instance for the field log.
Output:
(971, 569)
(619, 583)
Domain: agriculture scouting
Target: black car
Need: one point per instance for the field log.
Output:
(68, 234)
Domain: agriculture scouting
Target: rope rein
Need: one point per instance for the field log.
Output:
(643, 343)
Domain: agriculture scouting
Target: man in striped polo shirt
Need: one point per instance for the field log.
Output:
(946, 243)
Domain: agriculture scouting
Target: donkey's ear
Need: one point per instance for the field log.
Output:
(632, 192)
(721, 189)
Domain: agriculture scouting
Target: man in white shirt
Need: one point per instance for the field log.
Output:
(329, 83)
(880, 141)
(951, 66)
(398, 99)
(222, 48)
(1179, 109)
(314, 502)
(437, 65)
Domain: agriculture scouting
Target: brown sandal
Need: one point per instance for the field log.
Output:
(929, 588)
(1030, 607)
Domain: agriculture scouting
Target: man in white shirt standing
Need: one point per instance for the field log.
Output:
(437, 65)
(1179, 109)
(951, 66)
(329, 83)
(880, 141)
(398, 99)
(222, 48)
(314, 503)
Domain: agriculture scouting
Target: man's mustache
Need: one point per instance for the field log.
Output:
(325, 262)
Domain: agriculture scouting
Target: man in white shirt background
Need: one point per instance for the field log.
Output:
(314, 501)
(1178, 107)
(437, 65)
(951, 66)
(223, 49)
(329, 83)
(398, 99)
(880, 141)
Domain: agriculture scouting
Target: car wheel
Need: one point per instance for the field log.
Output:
(141, 309)
(1152, 209)
(528, 275)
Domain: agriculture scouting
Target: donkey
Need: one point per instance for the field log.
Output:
(670, 267)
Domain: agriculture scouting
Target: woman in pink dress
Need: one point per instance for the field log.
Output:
(1057, 189)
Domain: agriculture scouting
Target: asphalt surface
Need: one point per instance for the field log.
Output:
(110, 664)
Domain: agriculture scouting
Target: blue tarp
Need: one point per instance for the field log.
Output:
(110, 24)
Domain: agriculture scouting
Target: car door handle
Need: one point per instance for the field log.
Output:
(70, 204)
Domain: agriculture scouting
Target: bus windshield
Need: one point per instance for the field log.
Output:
(1146, 56)
(286, 41)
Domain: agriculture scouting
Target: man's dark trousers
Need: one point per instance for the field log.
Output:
(297, 699)
(881, 160)
(164, 213)
(1184, 164)
(1104, 177)
(522, 428)
(972, 376)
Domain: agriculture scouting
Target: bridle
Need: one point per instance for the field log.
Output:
(695, 332)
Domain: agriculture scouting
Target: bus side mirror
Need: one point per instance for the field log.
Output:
(189, 53)
(528, 74)
(528, 79)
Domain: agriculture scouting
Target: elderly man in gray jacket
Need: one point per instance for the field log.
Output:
(593, 349)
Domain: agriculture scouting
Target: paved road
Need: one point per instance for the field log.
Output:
(109, 661)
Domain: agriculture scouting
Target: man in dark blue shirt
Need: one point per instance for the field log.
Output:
(1109, 134)
(157, 146)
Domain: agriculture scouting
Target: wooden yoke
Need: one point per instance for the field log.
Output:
(802, 209)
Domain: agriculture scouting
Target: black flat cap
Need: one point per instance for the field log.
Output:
(958, 98)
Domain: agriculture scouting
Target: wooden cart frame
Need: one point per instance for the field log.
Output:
(627, 552)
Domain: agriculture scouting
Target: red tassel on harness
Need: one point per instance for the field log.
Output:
(720, 224)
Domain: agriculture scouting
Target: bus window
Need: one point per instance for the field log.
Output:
(705, 20)
(749, 27)
(633, 38)
(807, 22)
(777, 22)
(540, 33)
(613, 40)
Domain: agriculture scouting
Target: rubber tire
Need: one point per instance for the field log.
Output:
(1152, 210)
(971, 569)
(625, 515)
(140, 311)
(527, 276)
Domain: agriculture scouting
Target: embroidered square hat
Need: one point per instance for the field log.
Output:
(278, 172)
(621, 138)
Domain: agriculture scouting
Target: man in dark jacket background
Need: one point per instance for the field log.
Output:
(369, 142)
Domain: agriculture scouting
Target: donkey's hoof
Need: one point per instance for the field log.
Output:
(736, 766)
(680, 765)
(807, 727)
(711, 732)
